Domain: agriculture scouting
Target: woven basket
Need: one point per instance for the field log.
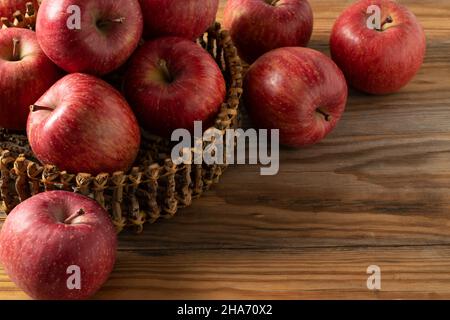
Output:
(154, 188)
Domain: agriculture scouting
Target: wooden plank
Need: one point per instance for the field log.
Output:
(286, 274)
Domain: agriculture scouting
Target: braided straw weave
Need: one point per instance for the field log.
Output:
(155, 188)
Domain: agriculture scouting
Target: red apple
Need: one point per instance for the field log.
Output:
(259, 26)
(25, 74)
(82, 124)
(9, 7)
(182, 18)
(172, 82)
(297, 90)
(378, 61)
(46, 237)
(109, 32)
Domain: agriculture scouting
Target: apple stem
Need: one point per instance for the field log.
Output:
(73, 216)
(163, 66)
(16, 53)
(34, 108)
(118, 20)
(327, 116)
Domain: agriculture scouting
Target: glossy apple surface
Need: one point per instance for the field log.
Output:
(110, 31)
(25, 74)
(378, 61)
(297, 90)
(172, 82)
(45, 235)
(259, 26)
(181, 18)
(82, 124)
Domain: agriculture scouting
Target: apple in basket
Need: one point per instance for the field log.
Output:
(297, 90)
(183, 18)
(89, 36)
(9, 7)
(259, 26)
(82, 124)
(172, 82)
(378, 59)
(25, 74)
(58, 246)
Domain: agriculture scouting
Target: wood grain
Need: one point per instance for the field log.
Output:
(377, 191)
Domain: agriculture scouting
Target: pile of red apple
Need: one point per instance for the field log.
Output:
(80, 123)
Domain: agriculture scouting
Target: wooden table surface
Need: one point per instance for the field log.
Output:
(376, 192)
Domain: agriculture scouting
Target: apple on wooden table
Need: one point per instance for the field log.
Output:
(259, 26)
(25, 74)
(9, 7)
(172, 82)
(299, 91)
(381, 59)
(182, 18)
(107, 34)
(53, 236)
(82, 124)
